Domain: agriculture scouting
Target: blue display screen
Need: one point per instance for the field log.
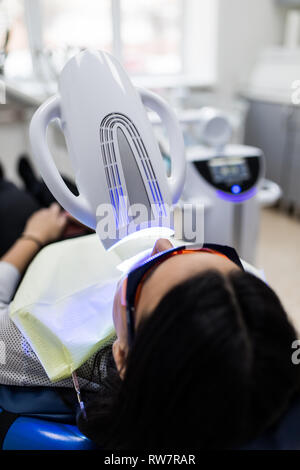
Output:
(229, 172)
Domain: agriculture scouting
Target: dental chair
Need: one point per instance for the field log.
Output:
(37, 419)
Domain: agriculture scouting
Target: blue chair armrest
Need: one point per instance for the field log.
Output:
(37, 434)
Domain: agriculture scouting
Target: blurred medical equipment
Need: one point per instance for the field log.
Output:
(273, 121)
(228, 181)
(114, 154)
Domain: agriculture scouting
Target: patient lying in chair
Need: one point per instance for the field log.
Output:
(194, 351)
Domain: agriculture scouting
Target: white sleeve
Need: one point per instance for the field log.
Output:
(9, 279)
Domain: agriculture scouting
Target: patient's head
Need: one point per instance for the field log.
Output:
(210, 366)
(162, 279)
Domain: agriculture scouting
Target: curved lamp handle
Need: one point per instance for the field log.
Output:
(76, 205)
(177, 155)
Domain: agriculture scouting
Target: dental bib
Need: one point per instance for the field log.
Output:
(63, 306)
(119, 170)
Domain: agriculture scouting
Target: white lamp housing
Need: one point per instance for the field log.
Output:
(113, 151)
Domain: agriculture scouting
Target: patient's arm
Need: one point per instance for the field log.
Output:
(21, 253)
(43, 226)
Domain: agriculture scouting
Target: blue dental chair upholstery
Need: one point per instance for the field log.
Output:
(38, 434)
(37, 419)
(43, 422)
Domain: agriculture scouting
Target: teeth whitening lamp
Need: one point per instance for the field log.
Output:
(111, 144)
